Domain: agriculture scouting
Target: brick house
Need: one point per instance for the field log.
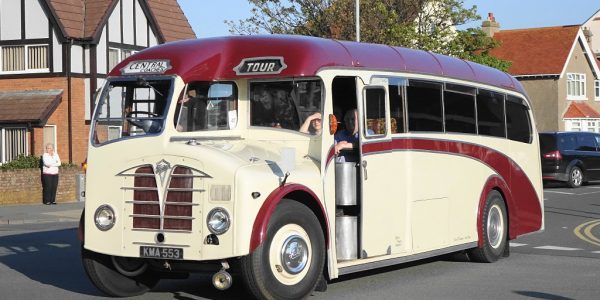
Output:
(54, 55)
(557, 69)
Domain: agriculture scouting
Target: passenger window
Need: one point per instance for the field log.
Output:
(586, 142)
(375, 112)
(207, 106)
(517, 120)
(395, 96)
(285, 104)
(459, 109)
(424, 106)
(490, 113)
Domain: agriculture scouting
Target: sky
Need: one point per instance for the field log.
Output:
(207, 16)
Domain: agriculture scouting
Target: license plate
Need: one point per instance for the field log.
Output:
(161, 252)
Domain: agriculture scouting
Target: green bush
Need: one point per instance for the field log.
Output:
(22, 162)
(28, 162)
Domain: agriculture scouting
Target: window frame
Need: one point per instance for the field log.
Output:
(597, 90)
(576, 81)
(386, 113)
(25, 142)
(26, 58)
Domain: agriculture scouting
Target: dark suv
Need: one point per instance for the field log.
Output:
(572, 157)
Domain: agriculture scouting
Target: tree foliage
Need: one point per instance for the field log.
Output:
(419, 24)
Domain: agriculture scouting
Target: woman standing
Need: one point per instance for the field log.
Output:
(50, 174)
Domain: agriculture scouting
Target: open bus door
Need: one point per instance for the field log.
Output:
(383, 207)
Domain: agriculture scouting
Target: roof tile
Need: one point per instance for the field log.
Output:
(580, 110)
(536, 51)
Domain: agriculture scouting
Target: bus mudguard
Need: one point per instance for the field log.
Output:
(259, 229)
(494, 183)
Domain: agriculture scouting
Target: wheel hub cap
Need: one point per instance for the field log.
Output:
(294, 254)
(495, 227)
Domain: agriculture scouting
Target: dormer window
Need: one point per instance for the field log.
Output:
(576, 86)
(24, 59)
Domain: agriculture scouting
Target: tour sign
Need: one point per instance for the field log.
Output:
(260, 66)
(146, 67)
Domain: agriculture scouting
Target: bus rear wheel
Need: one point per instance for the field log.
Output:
(495, 230)
(118, 277)
(289, 263)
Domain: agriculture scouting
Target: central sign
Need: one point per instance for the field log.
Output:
(146, 67)
(260, 66)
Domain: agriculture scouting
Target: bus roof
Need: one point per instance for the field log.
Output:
(217, 59)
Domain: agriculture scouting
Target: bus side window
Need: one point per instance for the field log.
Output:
(518, 125)
(396, 108)
(375, 112)
(490, 114)
(424, 106)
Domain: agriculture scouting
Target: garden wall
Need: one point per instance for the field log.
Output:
(25, 186)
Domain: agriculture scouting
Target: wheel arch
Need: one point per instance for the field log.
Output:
(495, 183)
(295, 192)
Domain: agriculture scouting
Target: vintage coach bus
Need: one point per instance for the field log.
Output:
(207, 156)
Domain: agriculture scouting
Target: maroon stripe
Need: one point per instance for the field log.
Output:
(525, 213)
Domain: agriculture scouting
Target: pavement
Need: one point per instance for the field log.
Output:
(40, 213)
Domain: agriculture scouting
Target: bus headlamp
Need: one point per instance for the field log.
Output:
(104, 217)
(218, 221)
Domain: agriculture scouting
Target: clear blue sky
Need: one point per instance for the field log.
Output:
(207, 16)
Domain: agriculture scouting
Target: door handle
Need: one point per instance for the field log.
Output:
(364, 165)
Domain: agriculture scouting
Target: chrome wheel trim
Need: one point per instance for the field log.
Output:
(576, 176)
(129, 266)
(290, 254)
(495, 227)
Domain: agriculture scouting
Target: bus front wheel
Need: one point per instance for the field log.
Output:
(117, 277)
(288, 264)
(495, 230)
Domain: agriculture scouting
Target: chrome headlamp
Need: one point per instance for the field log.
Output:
(218, 221)
(104, 217)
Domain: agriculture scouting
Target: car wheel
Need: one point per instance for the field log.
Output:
(575, 177)
(289, 263)
(495, 230)
(118, 276)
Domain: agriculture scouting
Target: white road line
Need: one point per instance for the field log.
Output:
(557, 192)
(597, 252)
(557, 248)
(517, 244)
(589, 193)
(593, 187)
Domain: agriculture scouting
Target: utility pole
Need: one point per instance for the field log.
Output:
(357, 14)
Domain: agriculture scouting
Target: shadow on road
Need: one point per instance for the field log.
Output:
(539, 295)
(53, 258)
(49, 257)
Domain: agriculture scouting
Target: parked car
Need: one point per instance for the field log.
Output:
(571, 157)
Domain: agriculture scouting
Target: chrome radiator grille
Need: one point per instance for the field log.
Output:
(167, 205)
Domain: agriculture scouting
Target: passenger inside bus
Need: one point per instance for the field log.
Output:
(312, 125)
(347, 138)
(273, 106)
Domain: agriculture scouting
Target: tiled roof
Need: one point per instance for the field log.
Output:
(580, 110)
(28, 106)
(171, 21)
(83, 19)
(536, 51)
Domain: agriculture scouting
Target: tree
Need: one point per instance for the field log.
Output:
(419, 24)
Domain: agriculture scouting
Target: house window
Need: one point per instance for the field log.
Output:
(13, 142)
(588, 124)
(24, 58)
(576, 86)
(50, 136)
(597, 90)
(115, 56)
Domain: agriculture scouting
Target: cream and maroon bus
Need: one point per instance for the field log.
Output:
(208, 156)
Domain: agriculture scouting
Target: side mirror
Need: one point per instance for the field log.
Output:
(333, 123)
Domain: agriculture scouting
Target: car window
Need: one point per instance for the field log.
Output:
(567, 142)
(586, 142)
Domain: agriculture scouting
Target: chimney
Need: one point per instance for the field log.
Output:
(490, 26)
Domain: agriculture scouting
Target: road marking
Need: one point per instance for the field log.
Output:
(557, 192)
(557, 248)
(597, 252)
(594, 187)
(584, 232)
(517, 244)
(588, 193)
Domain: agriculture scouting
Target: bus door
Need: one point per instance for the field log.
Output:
(382, 211)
